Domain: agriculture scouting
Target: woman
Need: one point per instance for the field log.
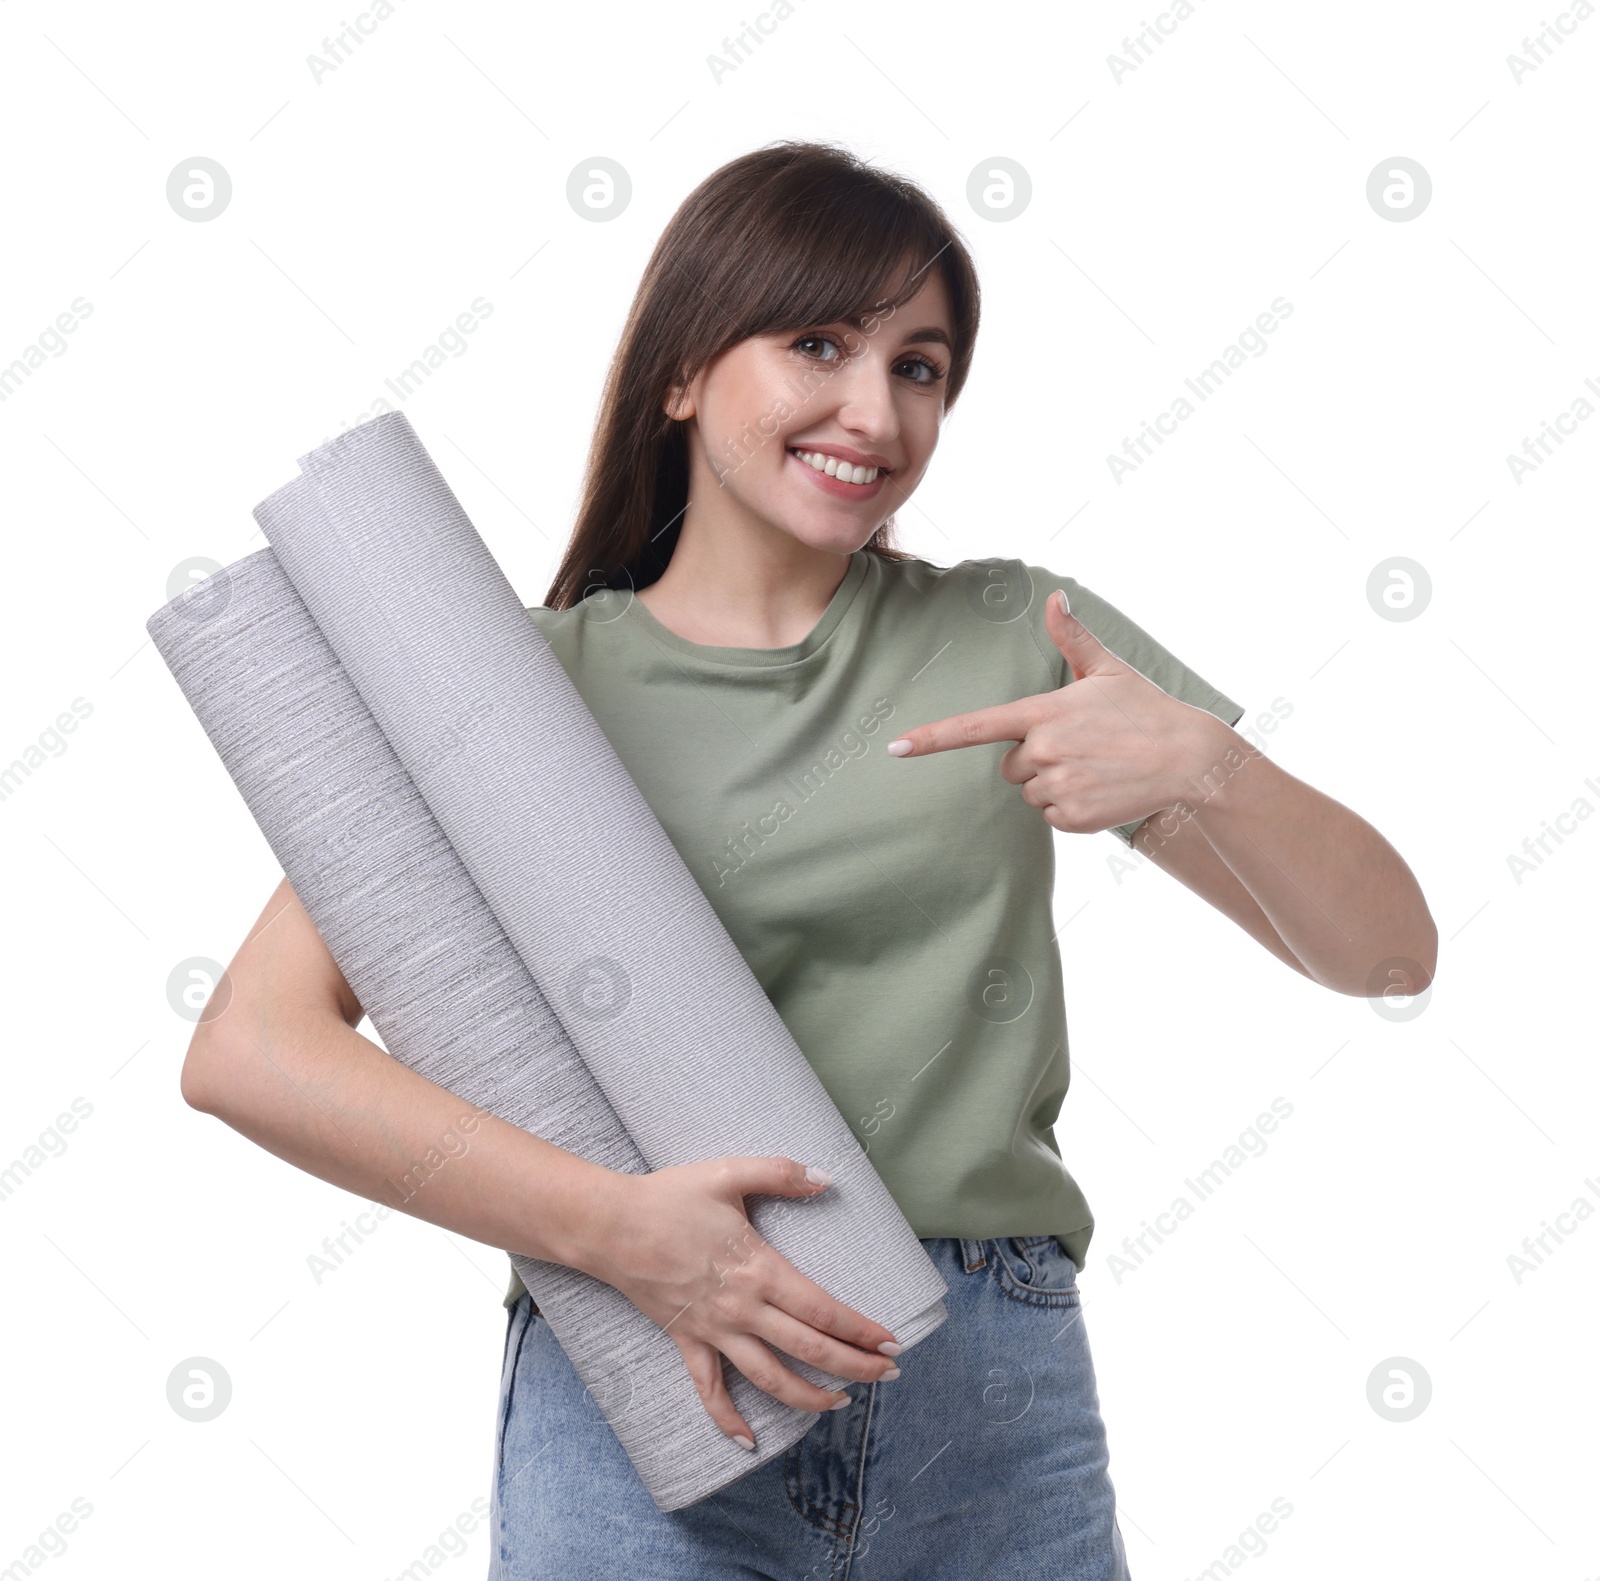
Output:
(861, 756)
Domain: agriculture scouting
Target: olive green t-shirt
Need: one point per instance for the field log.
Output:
(896, 911)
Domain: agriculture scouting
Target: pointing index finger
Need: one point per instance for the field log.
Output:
(1003, 722)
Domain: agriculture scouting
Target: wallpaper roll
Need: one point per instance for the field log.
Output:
(437, 975)
(595, 899)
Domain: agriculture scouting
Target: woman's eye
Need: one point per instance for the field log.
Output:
(920, 370)
(806, 341)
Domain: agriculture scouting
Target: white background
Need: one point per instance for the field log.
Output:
(1167, 211)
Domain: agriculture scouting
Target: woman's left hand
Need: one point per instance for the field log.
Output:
(1109, 748)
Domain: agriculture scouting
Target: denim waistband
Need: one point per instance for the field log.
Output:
(974, 1253)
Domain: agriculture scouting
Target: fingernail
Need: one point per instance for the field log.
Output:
(1061, 601)
(744, 1442)
(840, 1403)
(818, 1177)
(889, 1348)
(898, 749)
(893, 1372)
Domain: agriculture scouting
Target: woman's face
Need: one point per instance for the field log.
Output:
(867, 394)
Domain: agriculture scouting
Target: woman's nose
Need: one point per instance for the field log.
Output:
(866, 404)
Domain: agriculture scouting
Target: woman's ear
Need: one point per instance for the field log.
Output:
(678, 403)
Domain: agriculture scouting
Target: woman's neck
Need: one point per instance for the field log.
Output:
(732, 591)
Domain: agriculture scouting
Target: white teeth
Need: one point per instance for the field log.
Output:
(835, 468)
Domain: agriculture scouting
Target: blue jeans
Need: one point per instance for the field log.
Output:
(986, 1457)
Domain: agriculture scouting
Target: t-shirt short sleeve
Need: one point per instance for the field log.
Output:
(1130, 642)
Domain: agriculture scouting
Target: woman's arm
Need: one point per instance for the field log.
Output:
(1178, 847)
(282, 1063)
(1265, 847)
(1313, 882)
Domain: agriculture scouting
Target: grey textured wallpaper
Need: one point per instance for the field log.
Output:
(450, 814)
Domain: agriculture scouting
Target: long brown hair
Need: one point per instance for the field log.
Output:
(791, 235)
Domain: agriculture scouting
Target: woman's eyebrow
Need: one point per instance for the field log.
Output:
(928, 334)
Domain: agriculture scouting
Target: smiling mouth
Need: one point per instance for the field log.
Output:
(844, 471)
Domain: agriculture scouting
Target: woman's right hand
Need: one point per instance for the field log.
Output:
(680, 1246)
